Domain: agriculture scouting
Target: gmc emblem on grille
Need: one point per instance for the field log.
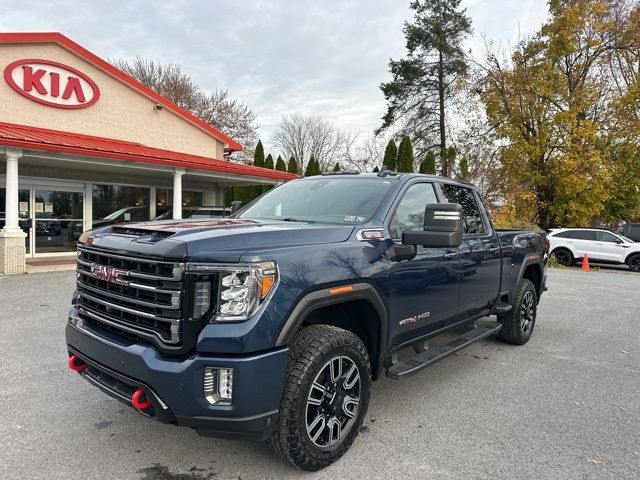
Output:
(109, 274)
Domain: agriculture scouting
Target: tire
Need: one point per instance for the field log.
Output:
(306, 434)
(564, 257)
(518, 324)
(634, 262)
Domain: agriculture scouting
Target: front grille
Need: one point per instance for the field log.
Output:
(137, 297)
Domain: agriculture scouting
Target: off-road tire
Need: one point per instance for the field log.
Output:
(634, 262)
(311, 349)
(564, 257)
(525, 304)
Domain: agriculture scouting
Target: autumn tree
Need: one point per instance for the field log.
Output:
(549, 103)
(422, 83)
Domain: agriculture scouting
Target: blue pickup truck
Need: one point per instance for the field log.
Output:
(272, 324)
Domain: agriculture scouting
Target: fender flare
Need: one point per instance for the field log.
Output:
(533, 259)
(323, 298)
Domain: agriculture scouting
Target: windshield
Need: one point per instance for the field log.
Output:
(344, 201)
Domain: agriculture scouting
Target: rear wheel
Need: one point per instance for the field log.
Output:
(564, 257)
(325, 398)
(517, 325)
(634, 262)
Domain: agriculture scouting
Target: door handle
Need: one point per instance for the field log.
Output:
(451, 255)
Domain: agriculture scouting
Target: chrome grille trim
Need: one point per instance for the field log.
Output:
(145, 299)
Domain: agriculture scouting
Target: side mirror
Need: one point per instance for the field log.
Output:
(235, 206)
(442, 227)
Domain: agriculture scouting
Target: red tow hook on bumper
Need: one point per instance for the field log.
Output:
(76, 364)
(137, 400)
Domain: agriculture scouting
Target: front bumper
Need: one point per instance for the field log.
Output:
(174, 386)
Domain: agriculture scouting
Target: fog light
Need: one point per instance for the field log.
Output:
(218, 385)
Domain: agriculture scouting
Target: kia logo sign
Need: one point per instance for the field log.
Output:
(51, 83)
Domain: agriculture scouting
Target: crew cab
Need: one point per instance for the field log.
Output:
(272, 324)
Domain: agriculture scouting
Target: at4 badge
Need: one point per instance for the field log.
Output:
(415, 318)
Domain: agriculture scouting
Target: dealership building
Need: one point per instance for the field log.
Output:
(82, 141)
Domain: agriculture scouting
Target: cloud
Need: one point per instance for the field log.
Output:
(278, 56)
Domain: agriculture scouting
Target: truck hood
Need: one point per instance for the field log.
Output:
(219, 240)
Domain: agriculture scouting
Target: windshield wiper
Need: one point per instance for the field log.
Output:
(289, 219)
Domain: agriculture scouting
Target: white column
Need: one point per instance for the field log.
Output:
(12, 246)
(177, 193)
(11, 203)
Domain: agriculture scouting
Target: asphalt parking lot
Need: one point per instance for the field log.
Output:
(566, 405)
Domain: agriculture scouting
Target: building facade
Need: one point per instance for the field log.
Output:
(84, 144)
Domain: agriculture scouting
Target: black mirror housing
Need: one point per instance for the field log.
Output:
(442, 227)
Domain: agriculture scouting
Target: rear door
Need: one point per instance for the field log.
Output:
(583, 241)
(480, 254)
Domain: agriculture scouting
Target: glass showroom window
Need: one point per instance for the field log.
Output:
(116, 204)
(164, 200)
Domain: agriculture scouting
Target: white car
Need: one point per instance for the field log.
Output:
(602, 246)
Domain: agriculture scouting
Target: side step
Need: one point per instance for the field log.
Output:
(432, 355)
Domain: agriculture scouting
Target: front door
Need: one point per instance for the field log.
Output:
(55, 220)
(424, 290)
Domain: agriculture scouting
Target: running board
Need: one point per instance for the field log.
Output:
(432, 355)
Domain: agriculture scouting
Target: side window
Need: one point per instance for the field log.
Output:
(409, 214)
(584, 235)
(606, 237)
(567, 234)
(473, 223)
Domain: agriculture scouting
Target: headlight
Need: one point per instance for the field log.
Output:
(241, 288)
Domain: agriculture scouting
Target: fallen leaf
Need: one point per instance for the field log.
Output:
(594, 461)
(19, 427)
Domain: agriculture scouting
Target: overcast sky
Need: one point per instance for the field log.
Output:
(279, 56)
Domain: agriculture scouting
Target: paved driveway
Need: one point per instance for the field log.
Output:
(566, 405)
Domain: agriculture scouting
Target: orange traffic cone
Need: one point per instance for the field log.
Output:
(585, 263)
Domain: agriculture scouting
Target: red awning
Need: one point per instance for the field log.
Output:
(35, 138)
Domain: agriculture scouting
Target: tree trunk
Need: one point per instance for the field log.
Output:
(443, 140)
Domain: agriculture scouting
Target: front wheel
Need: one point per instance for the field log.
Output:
(325, 399)
(634, 263)
(517, 325)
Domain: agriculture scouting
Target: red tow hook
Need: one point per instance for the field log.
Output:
(137, 402)
(76, 364)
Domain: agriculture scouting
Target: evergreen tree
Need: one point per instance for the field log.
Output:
(405, 155)
(258, 155)
(313, 168)
(391, 156)
(337, 168)
(292, 167)
(268, 163)
(376, 169)
(423, 81)
(280, 165)
(428, 165)
(258, 160)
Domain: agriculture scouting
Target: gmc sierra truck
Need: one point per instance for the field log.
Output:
(271, 324)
